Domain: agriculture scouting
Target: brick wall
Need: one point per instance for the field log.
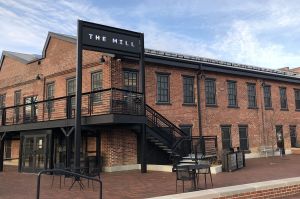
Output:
(280, 192)
(60, 63)
(118, 147)
(15, 144)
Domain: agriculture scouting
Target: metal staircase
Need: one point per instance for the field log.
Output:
(164, 134)
(180, 147)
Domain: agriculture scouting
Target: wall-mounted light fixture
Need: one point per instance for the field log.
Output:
(101, 60)
(39, 77)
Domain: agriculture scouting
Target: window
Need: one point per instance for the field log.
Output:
(96, 86)
(71, 90)
(267, 97)
(2, 104)
(293, 135)
(232, 94)
(131, 80)
(187, 129)
(2, 100)
(17, 101)
(243, 133)
(210, 91)
(297, 99)
(163, 92)
(49, 96)
(251, 95)
(188, 90)
(226, 137)
(283, 98)
(31, 109)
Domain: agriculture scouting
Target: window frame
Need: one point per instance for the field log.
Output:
(158, 87)
(283, 98)
(96, 97)
(247, 137)
(50, 104)
(191, 92)
(213, 93)
(187, 126)
(2, 100)
(268, 102)
(130, 87)
(232, 96)
(297, 90)
(67, 90)
(230, 136)
(252, 99)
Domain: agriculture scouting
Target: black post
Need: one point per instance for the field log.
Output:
(77, 137)
(1, 152)
(142, 70)
(143, 91)
(143, 149)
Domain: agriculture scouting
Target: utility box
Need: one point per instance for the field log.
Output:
(233, 160)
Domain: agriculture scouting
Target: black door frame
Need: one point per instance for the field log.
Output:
(46, 150)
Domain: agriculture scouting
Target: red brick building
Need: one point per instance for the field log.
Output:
(244, 106)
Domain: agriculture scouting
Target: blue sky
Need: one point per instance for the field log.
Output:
(263, 33)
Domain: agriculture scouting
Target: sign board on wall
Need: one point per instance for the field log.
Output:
(111, 40)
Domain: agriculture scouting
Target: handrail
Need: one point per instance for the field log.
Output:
(98, 102)
(165, 120)
(70, 96)
(65, 172)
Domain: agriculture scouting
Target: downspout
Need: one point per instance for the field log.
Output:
(198, 99)
(262, 111)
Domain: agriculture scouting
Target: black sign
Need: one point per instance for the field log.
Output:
(112, 40)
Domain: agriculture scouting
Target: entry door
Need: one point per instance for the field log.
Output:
(280, 138)
(34, 153)
(293, 136)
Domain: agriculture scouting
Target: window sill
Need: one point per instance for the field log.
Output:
(298, 110)
(284, 109)
(211, 105)
(163, 103)
(252, 107)
(189, 104)
(233, 107)
(269, 108)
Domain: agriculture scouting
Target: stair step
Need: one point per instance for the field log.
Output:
(163, 147)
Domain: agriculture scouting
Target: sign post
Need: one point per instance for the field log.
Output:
(101, 38)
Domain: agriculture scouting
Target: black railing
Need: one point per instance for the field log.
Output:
(68, 173)
(101, 102)
(155, 119)
(199, 147)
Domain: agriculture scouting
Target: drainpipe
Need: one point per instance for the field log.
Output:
(198, 99)
(262, 111)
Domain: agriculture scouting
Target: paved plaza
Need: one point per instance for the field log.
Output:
(133, 184)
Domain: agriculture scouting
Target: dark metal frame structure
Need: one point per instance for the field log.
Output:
(82, 27)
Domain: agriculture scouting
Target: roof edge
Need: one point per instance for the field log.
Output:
(66, 38)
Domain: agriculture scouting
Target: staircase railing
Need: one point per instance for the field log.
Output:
(172, 135)
(155, 119)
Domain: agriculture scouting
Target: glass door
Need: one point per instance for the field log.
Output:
(28, 154)
(34, 153)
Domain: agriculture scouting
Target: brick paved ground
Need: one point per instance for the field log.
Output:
(133, 184)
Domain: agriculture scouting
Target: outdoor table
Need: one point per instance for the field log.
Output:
(193, 168)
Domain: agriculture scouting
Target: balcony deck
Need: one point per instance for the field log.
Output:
(109, 106)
